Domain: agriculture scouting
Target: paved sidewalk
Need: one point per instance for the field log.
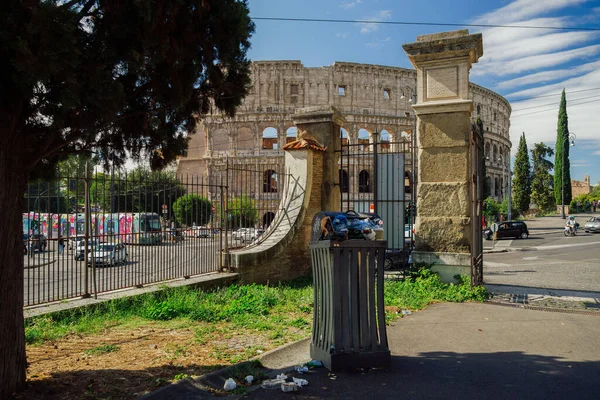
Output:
(461, 351)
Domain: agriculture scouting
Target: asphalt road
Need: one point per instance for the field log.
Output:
(547, 260)
(52, 277)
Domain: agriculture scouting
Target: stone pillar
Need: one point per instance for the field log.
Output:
(323, 124)
(443, 227)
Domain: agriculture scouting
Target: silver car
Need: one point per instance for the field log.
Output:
(592, 225)
(109, 254)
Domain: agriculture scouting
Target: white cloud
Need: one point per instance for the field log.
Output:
(519, 65)
(548, 76)
(341, 35)
(541, 62)
(383, 15)
(349, 4)
(520, 10)
(378, 43)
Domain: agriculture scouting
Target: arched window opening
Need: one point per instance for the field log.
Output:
(344, 136)
(269, 139)
(291, 134)
(495, 153)
(267, 219)
(270, 181)
(496, 187)
(364, 182)
(478, 110)
(344, 181)
(363, 139)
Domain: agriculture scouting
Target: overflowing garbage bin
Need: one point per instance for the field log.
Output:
(349, 317)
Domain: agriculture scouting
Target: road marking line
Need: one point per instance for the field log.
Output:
(558, 246)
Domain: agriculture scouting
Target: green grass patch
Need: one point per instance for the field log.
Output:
(282, 313)
(102, 349)
(423, 287)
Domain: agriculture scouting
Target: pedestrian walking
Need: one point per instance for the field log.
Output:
(594, 204)
(61, 244)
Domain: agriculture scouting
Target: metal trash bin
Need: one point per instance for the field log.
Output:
(349, 317)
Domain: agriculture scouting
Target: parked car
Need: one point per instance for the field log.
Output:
(248, 235)
(36, 242)
(237, 234)
(397, 259)
(80, 248)
(592, 225)
(508, 229)
(202, 232)
(109, 254)
(257, 234)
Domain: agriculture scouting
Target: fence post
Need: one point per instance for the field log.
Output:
(88, 220)
(224, 210)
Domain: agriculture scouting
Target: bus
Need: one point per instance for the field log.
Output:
(130, 228)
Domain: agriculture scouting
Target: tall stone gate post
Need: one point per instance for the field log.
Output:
(322, 123)
(443, 227)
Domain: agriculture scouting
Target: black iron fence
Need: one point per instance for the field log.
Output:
(89, 233)
(379, 176)
(254, 192)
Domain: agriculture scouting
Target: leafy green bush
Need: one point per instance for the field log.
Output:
(192, 208)
(423, 287)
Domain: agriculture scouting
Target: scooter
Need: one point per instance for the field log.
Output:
(570, 231)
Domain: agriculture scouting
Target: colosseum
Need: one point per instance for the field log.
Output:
(373, 98)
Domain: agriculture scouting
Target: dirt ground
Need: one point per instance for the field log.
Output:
(127, 363)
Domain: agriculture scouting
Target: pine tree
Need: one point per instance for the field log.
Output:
(561, 156)
(522, 177)
(114, 77)
(541, 180)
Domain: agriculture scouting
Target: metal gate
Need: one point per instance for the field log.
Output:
(476, 204)
(378, 176)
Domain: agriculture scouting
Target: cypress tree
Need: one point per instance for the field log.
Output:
(562, 177)
(542, 192)
(522, 177)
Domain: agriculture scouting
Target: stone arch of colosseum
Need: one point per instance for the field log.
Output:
(371, 97)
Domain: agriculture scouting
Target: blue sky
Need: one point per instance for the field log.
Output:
(520, 64)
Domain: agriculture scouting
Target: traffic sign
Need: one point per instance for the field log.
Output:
(494, 227)
(213, 208)
(164, 206)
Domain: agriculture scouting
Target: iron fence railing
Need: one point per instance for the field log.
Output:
(90, 233)
(254, 192)
(378, 176)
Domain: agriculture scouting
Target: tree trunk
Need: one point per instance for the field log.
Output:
(13, 180)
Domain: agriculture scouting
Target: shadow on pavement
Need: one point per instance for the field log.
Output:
(449, 375)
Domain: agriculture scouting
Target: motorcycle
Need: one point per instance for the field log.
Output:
(570, 231)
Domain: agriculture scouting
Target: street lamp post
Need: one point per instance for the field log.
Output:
(570, 139)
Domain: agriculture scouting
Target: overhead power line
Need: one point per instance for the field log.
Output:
(555, 94)
(358, 21)
(555, 109)
(555, 103)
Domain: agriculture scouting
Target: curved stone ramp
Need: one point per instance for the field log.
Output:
(281, 252)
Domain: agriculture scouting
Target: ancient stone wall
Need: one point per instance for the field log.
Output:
(371, 98)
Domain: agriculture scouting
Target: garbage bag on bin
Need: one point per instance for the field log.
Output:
(329, 225)
(361, 229)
